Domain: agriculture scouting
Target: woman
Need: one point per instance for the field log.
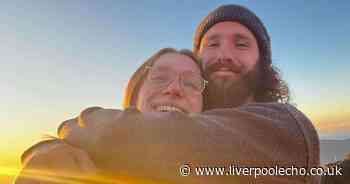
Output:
(156, 79)
(168, 81)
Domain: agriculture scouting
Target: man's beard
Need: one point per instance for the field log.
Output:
(228, 93)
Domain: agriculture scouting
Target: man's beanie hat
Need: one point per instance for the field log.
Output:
(242, 15)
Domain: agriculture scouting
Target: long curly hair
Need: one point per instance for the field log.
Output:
(271, 87)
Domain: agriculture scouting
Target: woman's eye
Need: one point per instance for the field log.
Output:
(189, 85)
(159, 78)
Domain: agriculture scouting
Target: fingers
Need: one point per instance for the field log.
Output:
(85, 113)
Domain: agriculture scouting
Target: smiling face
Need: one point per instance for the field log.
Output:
(230, 54)
(167, 86)
(228, 51)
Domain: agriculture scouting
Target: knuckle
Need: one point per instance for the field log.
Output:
(85, 113)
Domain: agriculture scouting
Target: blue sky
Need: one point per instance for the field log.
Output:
(59, 57)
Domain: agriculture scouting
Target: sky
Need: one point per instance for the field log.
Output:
(59, 57)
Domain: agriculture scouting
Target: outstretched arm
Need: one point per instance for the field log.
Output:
(157, 144)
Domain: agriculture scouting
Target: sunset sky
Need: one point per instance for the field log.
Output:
(59, 57)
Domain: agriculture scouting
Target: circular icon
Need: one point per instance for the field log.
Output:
(185, 170)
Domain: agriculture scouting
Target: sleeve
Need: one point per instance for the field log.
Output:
(42, 146)
(54, 161)
(157, 145)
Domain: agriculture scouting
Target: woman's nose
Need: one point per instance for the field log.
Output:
(174, 88)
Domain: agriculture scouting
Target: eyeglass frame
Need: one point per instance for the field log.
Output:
(204, 82)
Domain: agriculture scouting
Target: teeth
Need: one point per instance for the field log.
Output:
(165, 108)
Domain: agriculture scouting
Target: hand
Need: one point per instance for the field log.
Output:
(88, 127)
(56, 162)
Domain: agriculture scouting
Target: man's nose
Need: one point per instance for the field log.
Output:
(174, 88)
(226, 53)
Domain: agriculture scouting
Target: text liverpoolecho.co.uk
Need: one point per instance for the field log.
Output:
(232, 170)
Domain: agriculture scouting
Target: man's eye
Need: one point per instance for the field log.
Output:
(212, 45)
(242, 45)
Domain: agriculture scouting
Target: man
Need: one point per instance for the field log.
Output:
(235, 51)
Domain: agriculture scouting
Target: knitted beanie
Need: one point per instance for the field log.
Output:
(242, 15)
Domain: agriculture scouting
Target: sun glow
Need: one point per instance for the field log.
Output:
(69, 178)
